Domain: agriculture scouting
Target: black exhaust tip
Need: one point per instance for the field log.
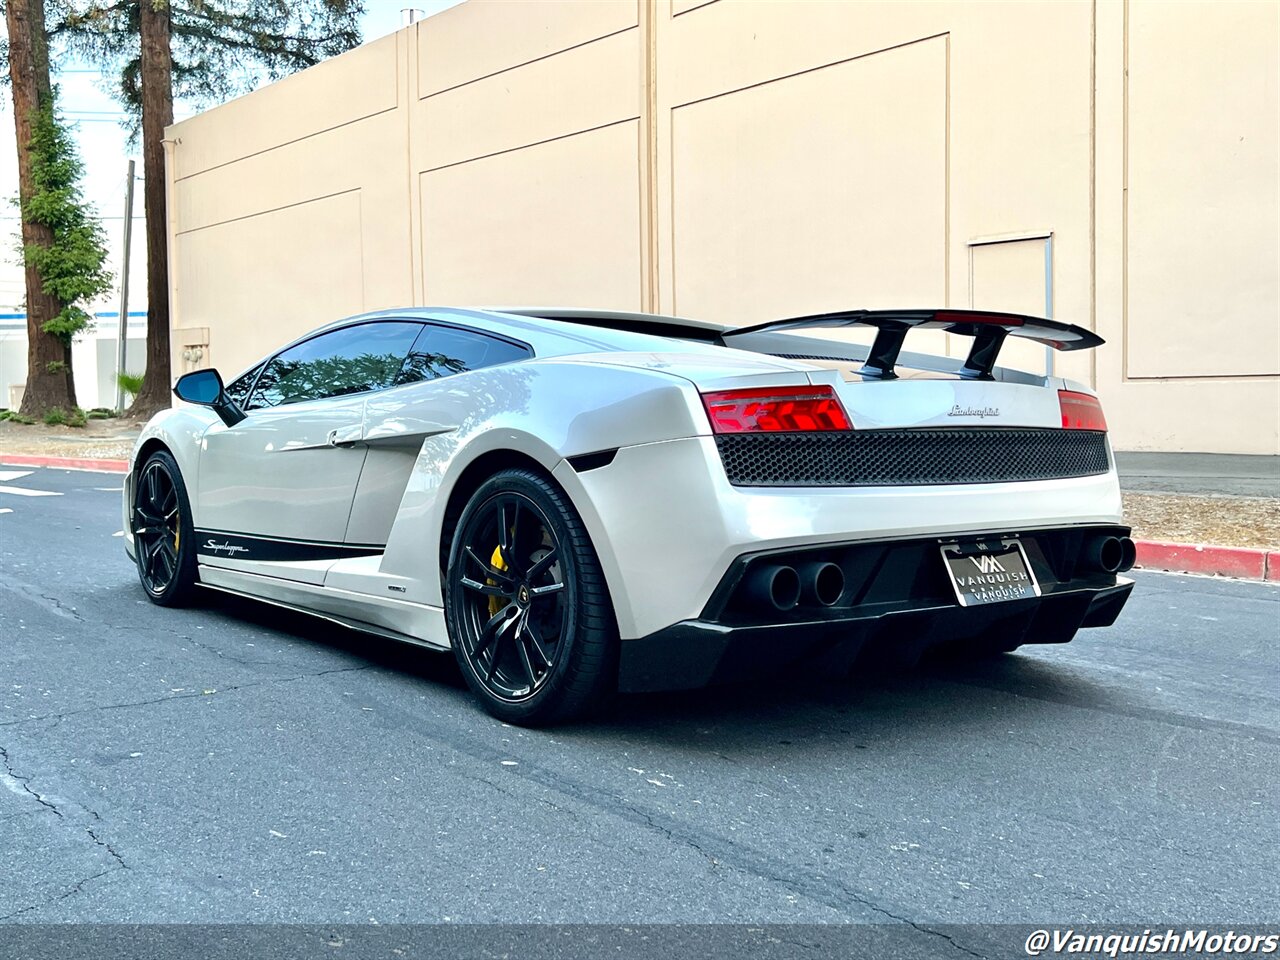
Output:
(775, 587)
(821, 583)
(1106, 553)
(1129, 555)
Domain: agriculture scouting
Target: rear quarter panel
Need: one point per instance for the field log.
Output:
(544, 410)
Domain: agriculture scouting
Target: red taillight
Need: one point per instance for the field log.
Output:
(771, 409)
(1081, 411)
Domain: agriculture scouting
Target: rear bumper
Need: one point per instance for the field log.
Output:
(897, 604)
(667, 525)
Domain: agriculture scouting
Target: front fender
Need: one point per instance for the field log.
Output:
(181, 431)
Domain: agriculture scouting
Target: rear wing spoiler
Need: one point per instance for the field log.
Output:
(987, 329)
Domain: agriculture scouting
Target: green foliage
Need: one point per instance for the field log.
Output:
(13, 416)
(130, 383)
(290, 381)
(57, 417)
(73, 267)
(55, 366)
(220, 48)
(100, 413)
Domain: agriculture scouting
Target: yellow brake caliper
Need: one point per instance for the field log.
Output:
(495, 603)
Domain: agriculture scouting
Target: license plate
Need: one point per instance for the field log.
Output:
(981, 575)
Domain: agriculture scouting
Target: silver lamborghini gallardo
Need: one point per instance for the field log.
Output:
(578, 502)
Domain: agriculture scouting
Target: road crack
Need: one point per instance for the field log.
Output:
(25, 783)
(79, 885)
(101, 708)
(55, 805)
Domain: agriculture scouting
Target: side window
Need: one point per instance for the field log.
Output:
(238, 389)
(441, 351)
(350, 360)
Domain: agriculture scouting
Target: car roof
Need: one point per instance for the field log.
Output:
(651, 323)
(553, 330)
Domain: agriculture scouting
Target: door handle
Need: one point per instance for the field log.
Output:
(346, 436)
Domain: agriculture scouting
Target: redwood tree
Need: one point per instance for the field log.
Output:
(49, 381)
(204, 51)
(156, 71)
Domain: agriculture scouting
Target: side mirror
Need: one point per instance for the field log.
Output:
(204, 387)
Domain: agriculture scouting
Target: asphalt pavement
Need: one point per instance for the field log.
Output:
(1199, 474)
(233, 762)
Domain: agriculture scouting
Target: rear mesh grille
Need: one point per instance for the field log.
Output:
(870, 457)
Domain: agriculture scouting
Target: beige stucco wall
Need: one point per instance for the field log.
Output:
(1114, 163)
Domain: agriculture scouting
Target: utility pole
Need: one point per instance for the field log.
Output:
(122, 331)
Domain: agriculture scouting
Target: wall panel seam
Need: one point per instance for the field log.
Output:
(813, 69)
(698, 6)
(259, 213)
(525, 63)
(1093, 186)
(284, 143)
(650, 291)
(1124, 200)
(1223, 377)
(535, 143)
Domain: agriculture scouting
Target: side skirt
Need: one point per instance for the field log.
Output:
(414, 623)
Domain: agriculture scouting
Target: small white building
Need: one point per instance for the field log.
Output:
(93, 357)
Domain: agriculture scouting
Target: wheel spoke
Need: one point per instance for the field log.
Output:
(493, 657)
(515, 536)
(166, 562)
(542, 565)
(549, 589)
(523, 650)
(504, 535)
(486, 589)
(150, 552)
(531, 631)
(489, 569)
(491, 630)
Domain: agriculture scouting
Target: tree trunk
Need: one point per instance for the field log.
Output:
(49, 380)
(157, 113)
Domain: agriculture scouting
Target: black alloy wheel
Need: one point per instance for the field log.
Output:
(529, 615)
(163, 538)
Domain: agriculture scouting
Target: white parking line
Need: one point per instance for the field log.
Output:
(9, 475)
(5, 510)
(22, 492)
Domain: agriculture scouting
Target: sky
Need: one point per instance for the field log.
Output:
(104, 145)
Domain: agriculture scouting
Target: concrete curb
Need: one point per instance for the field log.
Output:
(65, 463)
(1244, 563)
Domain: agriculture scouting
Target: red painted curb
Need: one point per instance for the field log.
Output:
(1242, 562)
(65, 463)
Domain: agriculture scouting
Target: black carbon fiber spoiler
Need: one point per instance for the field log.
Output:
(987, 329)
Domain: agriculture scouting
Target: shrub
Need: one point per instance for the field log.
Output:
(57, 417)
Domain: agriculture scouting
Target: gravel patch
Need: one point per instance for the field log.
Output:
(102, 439)
(1215, 521)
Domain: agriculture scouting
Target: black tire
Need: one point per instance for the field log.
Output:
(164, 540)
(532, 652)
